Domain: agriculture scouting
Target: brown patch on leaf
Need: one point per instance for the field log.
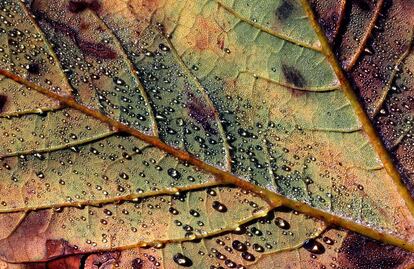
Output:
(55, 248)
(285, 10)
(201, 112)
(329, 16)
(3, 101)
(71, 262)
(105, 260)
(364, 5)
(79, 6)
(28, 230)
(293, 76)
(207, 35)
(363, 253)
(97, 50)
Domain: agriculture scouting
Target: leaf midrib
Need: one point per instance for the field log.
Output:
(273, 199)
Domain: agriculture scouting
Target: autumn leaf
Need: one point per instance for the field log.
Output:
(166, 133)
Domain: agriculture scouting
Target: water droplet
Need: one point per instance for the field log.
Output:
(174, 173)
(219, 207)
(194, 213)
(164, 47)
(328, 240)
(239, 246)
(258, 247)
(281, 223)
(248, 256)
(313, 246)
(173, 211)
(182, 260)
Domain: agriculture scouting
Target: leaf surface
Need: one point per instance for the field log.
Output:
(380, 67)
(143, 99)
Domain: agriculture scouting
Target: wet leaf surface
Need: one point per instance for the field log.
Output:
(121, 119)
(46, 234)
(378, 58)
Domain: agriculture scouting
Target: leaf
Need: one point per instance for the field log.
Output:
(277, 232)
(341, 249)
(46, 234)
(144, 99)
(331, 248)
(380, 66)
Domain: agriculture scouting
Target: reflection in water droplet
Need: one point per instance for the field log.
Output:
(258, 248)
(239, 246)
(248, 256)
(219, 207)
(281, 223)
(182, 260)
(174, 173)
(313, 246)
(328, 240)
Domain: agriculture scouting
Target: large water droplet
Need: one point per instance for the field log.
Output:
(313, 246)
(182, 260)
(281, 223)
(239, 246)
(248, 256)
(219, 207)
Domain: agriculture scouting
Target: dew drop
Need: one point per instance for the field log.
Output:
(219, 207)
(281, 223)
(248, 256)
(239, 246)
(182, 260)
(313, 246)
(174, 173)
(258, 248)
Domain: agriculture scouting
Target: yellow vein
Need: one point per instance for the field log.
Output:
(359, 111)
(58, 147)
(156, 243)
(223, 177)
(266, 30)
(321, 89)
(384, 93)
(133, 73)
(36, 111)
(368, 32)
(206, 97)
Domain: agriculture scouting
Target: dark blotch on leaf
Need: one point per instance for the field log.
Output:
(34, 69)
(363, 4)
(363, 253)
(3, 101)
(284, 11)
(201, 112)
(98, 50)
(293, 76)
(79, 6)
